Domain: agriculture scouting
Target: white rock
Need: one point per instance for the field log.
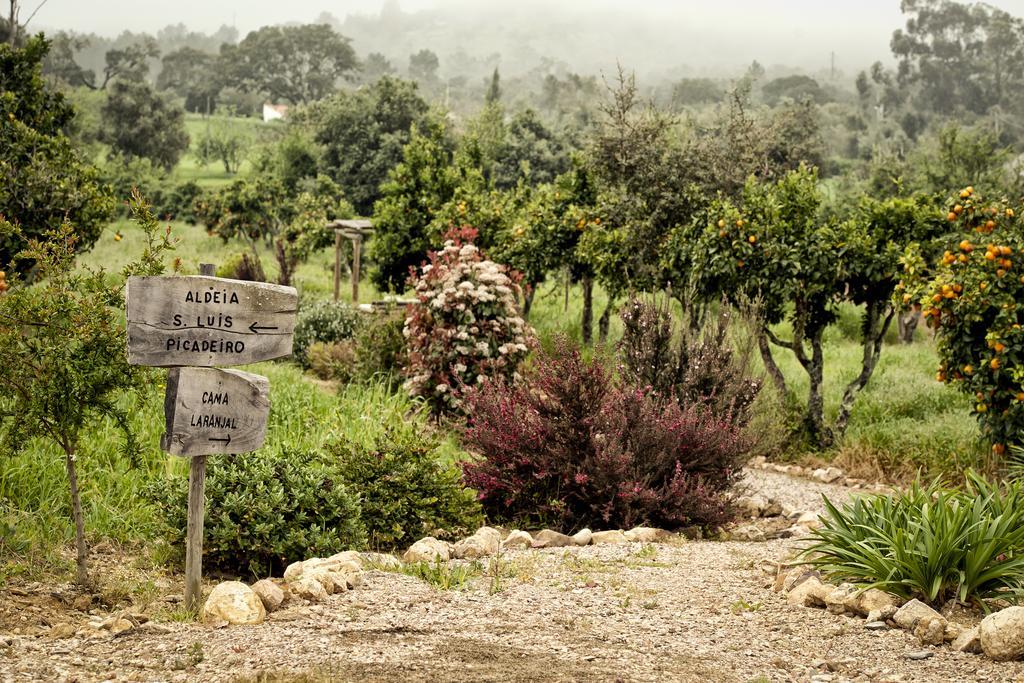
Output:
(117, 624)
(235, 603)
(490, 534)
(428, 549)
(517, 539)
(969, 640)
(913, 612)
(347, 556)
(751, 506)
(808, 520)
(931, 630)
(308, 588)
(811, 592)
(828, 475)
(796, 576)
(1002, 634)
(332, 581)
(384, 561)
(293, 571)
(583, 537)
(646, 534)
(547, 538)
(748, 532)
(613, 536)
(842, 599)
(484, 543)
(270, 594)
(874, 600)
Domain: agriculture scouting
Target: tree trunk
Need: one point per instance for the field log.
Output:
(605, 321)
(81, 568)
(588, 310)
(815, 417)
(568, 284)
(875, 330)
(528, 293)
(906, 323)
(771, 367)
(13, 24)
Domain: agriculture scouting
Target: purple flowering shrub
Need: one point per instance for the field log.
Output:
(571, 446)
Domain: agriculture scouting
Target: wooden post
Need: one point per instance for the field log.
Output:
(357, 248)
(337, 264)
(196, 510)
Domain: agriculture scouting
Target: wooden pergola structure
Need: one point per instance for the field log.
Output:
(356, 230)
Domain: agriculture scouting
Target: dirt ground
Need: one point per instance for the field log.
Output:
(681, 611)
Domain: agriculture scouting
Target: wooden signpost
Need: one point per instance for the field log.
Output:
(193, 324)
(208, 321)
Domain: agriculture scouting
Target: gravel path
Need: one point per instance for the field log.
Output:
(687, 611)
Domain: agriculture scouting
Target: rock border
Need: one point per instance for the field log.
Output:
(999, 636)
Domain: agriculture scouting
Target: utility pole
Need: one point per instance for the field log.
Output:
(832, 68)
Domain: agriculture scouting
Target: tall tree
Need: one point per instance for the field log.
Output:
(960, 56)
(138, 122)
(43, 179)
(362, 134)
(191, 74)
(294, 64)
(416, 188)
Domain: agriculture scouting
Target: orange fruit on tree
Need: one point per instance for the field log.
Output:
(998, 448)
(752, 239)
(966, 246)
(994, 364)
(951, 217)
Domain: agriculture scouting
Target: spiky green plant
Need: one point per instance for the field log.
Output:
(930, 542)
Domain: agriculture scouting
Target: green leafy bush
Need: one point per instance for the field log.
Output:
(380, 349)
(407, 490)
(323, 321)
(331, 360)
(265, 510)
(930, 543)
(242, 266)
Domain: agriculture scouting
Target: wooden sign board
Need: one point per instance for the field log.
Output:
(212, 411)
(207, 321)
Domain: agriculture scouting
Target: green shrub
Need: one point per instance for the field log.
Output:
(323, 321)
(406, 489)
(180, 202)
(265, 510)
(331, 360)
(242, 266)
(930, 543)
(380, 348)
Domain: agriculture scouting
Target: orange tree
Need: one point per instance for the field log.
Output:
(972, 300)
(778, 246)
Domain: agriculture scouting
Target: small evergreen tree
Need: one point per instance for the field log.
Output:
(62, 356)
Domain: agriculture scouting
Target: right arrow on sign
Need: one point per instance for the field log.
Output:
(212, 411)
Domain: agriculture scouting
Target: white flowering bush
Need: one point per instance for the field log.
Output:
(465, 327)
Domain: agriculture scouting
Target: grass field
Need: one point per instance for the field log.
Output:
(213, 175)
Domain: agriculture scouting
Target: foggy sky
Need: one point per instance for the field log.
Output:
(715, 33)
